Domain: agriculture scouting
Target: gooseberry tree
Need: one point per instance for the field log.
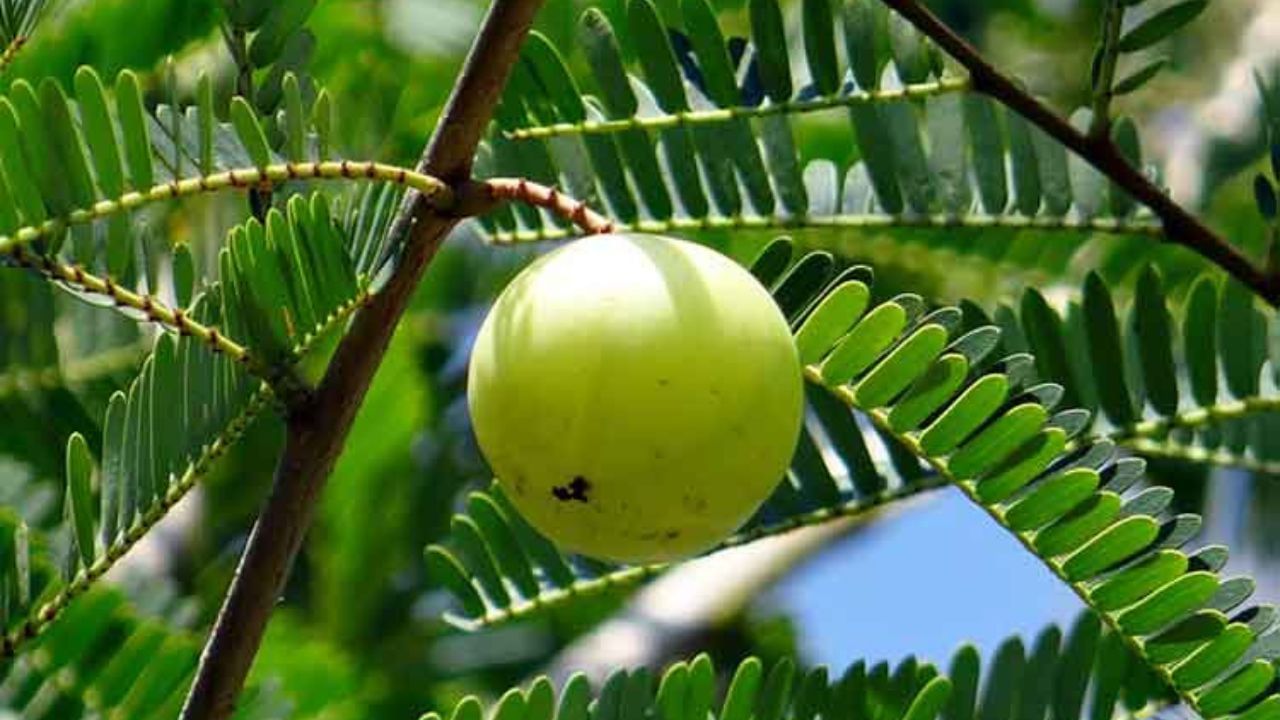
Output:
(640, 398)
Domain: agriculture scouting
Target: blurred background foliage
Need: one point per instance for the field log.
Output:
(360, 633)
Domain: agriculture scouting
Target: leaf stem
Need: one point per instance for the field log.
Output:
(870, 221)
(11, 51)
(318, 429)
(152, 308)
(432, 190)
(1180, 226)
(1196, 418)
(721, 115)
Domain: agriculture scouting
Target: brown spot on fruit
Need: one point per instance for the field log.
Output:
(695, 503)
(576, 489)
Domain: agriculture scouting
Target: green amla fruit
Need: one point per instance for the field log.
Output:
(638, 397)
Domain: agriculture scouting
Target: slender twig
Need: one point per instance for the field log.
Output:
(1204, 455)
(1197, 418)
(691, 118)
(1180, 226)
(431, 189)
(1105, 76)
(10, 52)
(317, 431)
(149, 306)
(52, 607)
(284, 380)
(1014, 223)
(549, 198)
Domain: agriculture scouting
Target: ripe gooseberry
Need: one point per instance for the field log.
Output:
(637, 396)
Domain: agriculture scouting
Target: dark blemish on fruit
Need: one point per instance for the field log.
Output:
(672, 534)
(695, 504)
(663, 382)
(575, 490)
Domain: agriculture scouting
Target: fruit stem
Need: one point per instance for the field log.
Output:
(497, 190)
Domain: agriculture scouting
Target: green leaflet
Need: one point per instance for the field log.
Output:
(1165, 605)
(900, 367)
(286, 18)
(1078, 526)
(79, 503)
(1052, 499)
(619, 102)
(929, 392)
(982, 122)
(99, 135)
(1161, 25)
(831, 320)
(250, 131)
(965, 415)
(137, 142)
(1154, 330)
(1200, 339)
(1214, 657)
(769, 36)
(820, 45)
(1238, 690)
(659, 64)
(295, 119)
(1105, 353)
(872, 335)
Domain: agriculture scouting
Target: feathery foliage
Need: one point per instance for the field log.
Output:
(288, 286)
(926, 152)
(18, 19)
(106, 660)
(1057, 675)
(987, 424)
(661, 116)
(1196, 381)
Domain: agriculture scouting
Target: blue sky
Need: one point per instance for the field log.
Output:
(922, 582)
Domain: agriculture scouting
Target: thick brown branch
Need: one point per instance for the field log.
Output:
(317, 431)
(1180, 226)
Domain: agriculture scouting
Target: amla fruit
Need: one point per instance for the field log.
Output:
(638, 397)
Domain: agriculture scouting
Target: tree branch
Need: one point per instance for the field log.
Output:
(1180, 226)
(318, 428)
